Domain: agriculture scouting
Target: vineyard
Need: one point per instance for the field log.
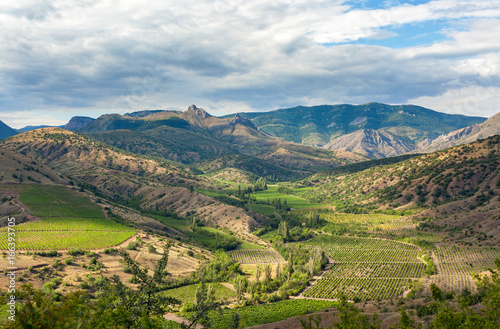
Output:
(456, 264)
(365, 268)
(353, 288)
(256, 256)
(380, 225)
(68, 220)
(267, 313)
(376, 270)
(58, 240)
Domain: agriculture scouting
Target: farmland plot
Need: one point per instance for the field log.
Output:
(256, 256)
(69, 220)
(365, 268)
(455, 265)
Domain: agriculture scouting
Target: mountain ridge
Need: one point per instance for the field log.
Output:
(6, 131)
(319, 125)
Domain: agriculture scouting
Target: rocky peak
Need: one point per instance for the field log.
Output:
(198, 112)
(77, 122)
(243, 121)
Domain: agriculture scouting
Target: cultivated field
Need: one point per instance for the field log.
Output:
(292, 201)
(365, 268)
(456, 265)
(69, 220)
(256, 256)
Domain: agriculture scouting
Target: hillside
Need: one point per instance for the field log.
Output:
(462, 136)
(371, 143)
(19, 169)
(457, 189)
(197, 138)
(318, 125)
(6, 131)
(77, 122)
(126, 178)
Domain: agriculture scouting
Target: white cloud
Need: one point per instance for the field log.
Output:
(123, 55)
(471, 100)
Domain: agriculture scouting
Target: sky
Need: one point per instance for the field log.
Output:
(64, 58)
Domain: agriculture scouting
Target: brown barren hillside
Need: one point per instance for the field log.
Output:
(127, 178)
(457, 189)
(465, 135)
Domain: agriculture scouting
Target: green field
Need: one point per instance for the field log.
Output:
(68, 220)
(58, 201)
(268, 313)
(365, 268)
(262, 209)
(188, 293)
(292, 201)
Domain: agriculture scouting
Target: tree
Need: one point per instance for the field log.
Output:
(267, 273)
(284, 231)
(205, 302)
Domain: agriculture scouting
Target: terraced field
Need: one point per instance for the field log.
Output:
(456, 264)
(365, 268)
(256, 256)
(68, 220)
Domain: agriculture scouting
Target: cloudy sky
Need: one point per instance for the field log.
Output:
(88, 57)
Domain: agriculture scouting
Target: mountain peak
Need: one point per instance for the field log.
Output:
(77, 122)
(198, 112)
(243, 121)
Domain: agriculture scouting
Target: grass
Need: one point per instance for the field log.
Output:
(188, 293)
(58, 201)
(4, 312)
(262, 209)
(209, 192)
(292, 201)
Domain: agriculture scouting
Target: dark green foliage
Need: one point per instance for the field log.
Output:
(52, 253)
(219, 269)
(349, 315)
(320, 122)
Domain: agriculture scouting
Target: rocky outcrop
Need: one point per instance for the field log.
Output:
(373, 143)
(462, 136)
(77, 123)
(243, 121)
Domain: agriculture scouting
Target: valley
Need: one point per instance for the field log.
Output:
(254, 214)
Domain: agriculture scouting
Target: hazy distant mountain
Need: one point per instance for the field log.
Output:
(29, 128)
(318, 125)
(140, 114)
(6, 131)
(462, 136)
(370, 142)
(77, 122)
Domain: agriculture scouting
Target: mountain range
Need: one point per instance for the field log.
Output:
(373, 129)
(282, 139)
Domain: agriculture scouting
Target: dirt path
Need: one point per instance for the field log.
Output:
(315, 280)
(228, 286)
(174, 317)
